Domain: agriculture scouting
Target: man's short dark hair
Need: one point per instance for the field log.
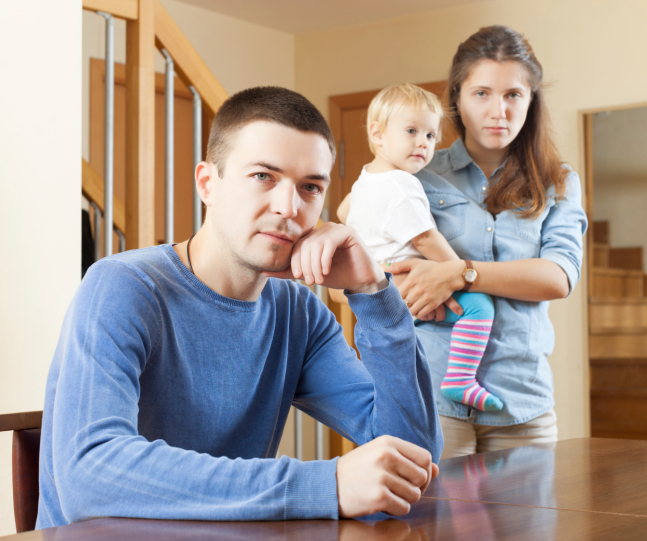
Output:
(269, 103)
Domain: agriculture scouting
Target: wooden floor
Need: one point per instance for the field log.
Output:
(588, 489)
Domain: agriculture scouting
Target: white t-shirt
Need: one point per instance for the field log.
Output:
(388, 210)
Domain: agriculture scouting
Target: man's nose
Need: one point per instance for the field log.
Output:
(285, 200)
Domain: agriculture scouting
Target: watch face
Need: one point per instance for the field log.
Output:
(470, 275)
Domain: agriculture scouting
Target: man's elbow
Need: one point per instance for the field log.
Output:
(76, 503)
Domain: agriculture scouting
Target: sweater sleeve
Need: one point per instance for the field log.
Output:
(388, 392)
(97, 463)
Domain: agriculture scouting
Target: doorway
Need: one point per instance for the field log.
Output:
(616, 186)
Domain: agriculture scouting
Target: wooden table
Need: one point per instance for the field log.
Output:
(576, 489)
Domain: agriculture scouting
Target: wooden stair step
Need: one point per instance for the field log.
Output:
(607, 331)
(620, 412)
(615, 375)
(622, 273)
(630, 257)
(612, 315)
(618, 300)
(608, 282)
(621, 393)
(618, 345)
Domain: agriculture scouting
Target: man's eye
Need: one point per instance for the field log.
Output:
(262, 176)
(313, 188)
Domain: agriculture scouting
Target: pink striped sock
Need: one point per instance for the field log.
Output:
(468, 342)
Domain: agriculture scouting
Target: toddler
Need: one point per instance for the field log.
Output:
(389, 209)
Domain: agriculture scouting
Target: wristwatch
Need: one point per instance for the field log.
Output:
(469, 275)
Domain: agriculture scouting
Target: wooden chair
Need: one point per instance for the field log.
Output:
(24, 465)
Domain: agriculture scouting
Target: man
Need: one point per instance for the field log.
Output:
(177, 365)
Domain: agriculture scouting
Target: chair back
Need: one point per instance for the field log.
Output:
(25, 452)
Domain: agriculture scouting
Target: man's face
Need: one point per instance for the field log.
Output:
(271, 194)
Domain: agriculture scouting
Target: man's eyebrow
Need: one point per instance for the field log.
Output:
(325, 178)
(277, 169)
(267, 166)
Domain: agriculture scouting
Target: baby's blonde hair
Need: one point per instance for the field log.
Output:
(394, 98)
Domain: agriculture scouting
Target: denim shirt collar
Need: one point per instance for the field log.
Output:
(459, 155)
(460, 158)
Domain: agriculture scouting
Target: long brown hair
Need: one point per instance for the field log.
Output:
(533, 164)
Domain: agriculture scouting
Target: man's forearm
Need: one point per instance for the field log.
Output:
(404, 405)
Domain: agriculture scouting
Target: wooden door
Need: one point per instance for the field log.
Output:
(183, 155)
(348, 114)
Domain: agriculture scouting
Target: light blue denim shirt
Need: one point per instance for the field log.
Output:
(515, 366)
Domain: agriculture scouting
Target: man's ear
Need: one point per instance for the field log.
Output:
(375, 134)
(205, 175)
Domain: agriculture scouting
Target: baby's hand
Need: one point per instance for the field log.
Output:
(397, 278)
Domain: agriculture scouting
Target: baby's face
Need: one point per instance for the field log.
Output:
(409, 139)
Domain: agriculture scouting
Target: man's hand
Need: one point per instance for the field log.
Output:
(334, 256)
(387, 474)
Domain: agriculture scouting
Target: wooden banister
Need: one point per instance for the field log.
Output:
(149, 25)
(124, 9)
(188, 64)
(92, 188)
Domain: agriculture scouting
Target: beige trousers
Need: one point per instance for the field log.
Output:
(463, 438)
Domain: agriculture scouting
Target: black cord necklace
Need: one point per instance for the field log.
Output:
(188, 254)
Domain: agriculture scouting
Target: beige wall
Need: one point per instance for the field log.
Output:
(594, 53)
(40, 196)
(620, 175)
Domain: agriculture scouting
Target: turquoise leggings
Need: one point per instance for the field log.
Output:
(475, 306)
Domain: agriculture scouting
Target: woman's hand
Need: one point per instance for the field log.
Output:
(429, 285)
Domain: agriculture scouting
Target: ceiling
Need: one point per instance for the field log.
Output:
(301, 16)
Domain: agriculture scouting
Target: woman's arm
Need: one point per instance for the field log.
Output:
(550, 276)
(430, 284)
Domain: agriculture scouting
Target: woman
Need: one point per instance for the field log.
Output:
(511, 210)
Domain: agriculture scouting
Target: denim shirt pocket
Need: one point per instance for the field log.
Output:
(448, 210)
(530, 229)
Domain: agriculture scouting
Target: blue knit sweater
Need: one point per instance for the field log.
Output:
(167, 400)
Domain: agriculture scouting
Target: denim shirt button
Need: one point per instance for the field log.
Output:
(489, 229)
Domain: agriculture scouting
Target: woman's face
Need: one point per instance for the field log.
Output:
(493, 104)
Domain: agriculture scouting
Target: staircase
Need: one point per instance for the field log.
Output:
(618, 339)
